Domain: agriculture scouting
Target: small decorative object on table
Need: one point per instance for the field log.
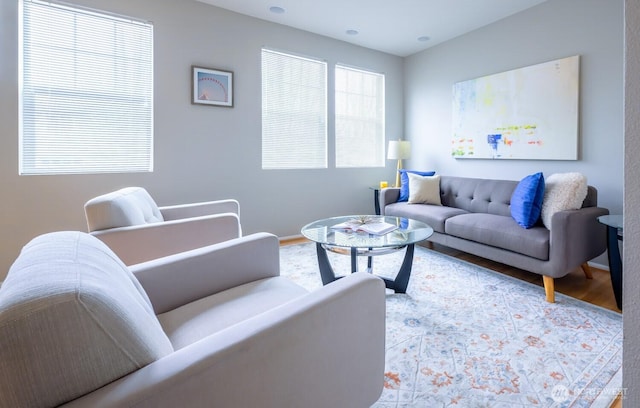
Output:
(368, 224)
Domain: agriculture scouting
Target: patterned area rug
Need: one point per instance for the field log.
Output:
(464, 336)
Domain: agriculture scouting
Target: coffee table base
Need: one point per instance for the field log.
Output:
(398, 285)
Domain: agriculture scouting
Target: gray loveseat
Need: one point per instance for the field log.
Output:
(475, 218)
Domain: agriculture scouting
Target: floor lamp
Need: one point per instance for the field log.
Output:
(399, 150)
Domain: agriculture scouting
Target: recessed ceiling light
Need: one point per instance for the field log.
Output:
(352, 32)
(276, 10)
(423, 38)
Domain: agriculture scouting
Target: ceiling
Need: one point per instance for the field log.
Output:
(391, 26)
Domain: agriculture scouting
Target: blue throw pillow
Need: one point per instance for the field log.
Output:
(526, 200)
(404, 182)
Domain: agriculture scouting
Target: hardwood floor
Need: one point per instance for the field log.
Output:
(597, 291)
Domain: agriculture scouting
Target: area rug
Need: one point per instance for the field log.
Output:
(465, 336)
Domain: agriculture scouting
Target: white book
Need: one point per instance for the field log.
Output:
(375, 227)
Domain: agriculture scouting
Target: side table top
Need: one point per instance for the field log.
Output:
(612, 220)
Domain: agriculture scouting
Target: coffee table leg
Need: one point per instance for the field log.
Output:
(354, 260)
(326, 271)
(399, 285)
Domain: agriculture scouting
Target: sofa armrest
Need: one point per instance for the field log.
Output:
(175, 212)
(576, 237)
(179, 279)
(388, 196)
(140, 243)
(325, 349)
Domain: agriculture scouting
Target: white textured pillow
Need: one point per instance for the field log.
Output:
(563, 191)
(424, 189)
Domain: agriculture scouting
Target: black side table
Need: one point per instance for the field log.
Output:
(376, 199)
(614, 225)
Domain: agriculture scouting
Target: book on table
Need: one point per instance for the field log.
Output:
(375, 227)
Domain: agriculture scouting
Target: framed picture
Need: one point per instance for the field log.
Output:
(211, 87)
(527, 113)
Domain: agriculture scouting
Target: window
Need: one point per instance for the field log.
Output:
(360, 113)
(294, 112)
(86, 83)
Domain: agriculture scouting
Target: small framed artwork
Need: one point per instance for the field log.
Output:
(212, 87)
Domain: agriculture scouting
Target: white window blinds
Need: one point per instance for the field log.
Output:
(360, 112)
(86, 99)
(294, 112)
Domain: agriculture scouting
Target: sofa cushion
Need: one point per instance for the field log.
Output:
(424, 189)
(404, 181)
(477, 195)
(563, 191)
(526, 200)
(72, 319)
(501, 232)
(123, 208)
(197, 320)
(432, 215)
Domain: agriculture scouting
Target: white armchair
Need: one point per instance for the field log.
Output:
(130, 222)
(208, 327)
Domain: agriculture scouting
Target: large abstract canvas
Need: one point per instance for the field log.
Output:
(526, 113)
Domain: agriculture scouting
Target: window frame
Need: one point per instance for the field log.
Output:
(56, 116)
(310, 106)
(371, 150)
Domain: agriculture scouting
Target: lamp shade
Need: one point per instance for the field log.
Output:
(399, 150)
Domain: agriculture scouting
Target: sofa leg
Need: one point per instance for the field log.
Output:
(587, 270)
(548, 288)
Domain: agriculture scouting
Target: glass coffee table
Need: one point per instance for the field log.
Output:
(359, 243)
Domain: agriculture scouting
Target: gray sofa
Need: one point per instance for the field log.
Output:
(475, 218)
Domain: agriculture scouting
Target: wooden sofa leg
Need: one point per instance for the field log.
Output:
(548, 288)
(587, 270)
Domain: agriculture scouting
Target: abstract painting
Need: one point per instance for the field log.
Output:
(526, 113)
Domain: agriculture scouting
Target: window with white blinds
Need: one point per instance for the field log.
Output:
(86, 97)
(360, 113)
(294, 111)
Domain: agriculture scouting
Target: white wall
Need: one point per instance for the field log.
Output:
(201, 152)
(631, 262)
(555, 29)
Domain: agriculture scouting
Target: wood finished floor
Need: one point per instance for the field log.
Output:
(597, 291)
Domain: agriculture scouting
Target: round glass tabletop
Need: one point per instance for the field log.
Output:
(328, 232)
